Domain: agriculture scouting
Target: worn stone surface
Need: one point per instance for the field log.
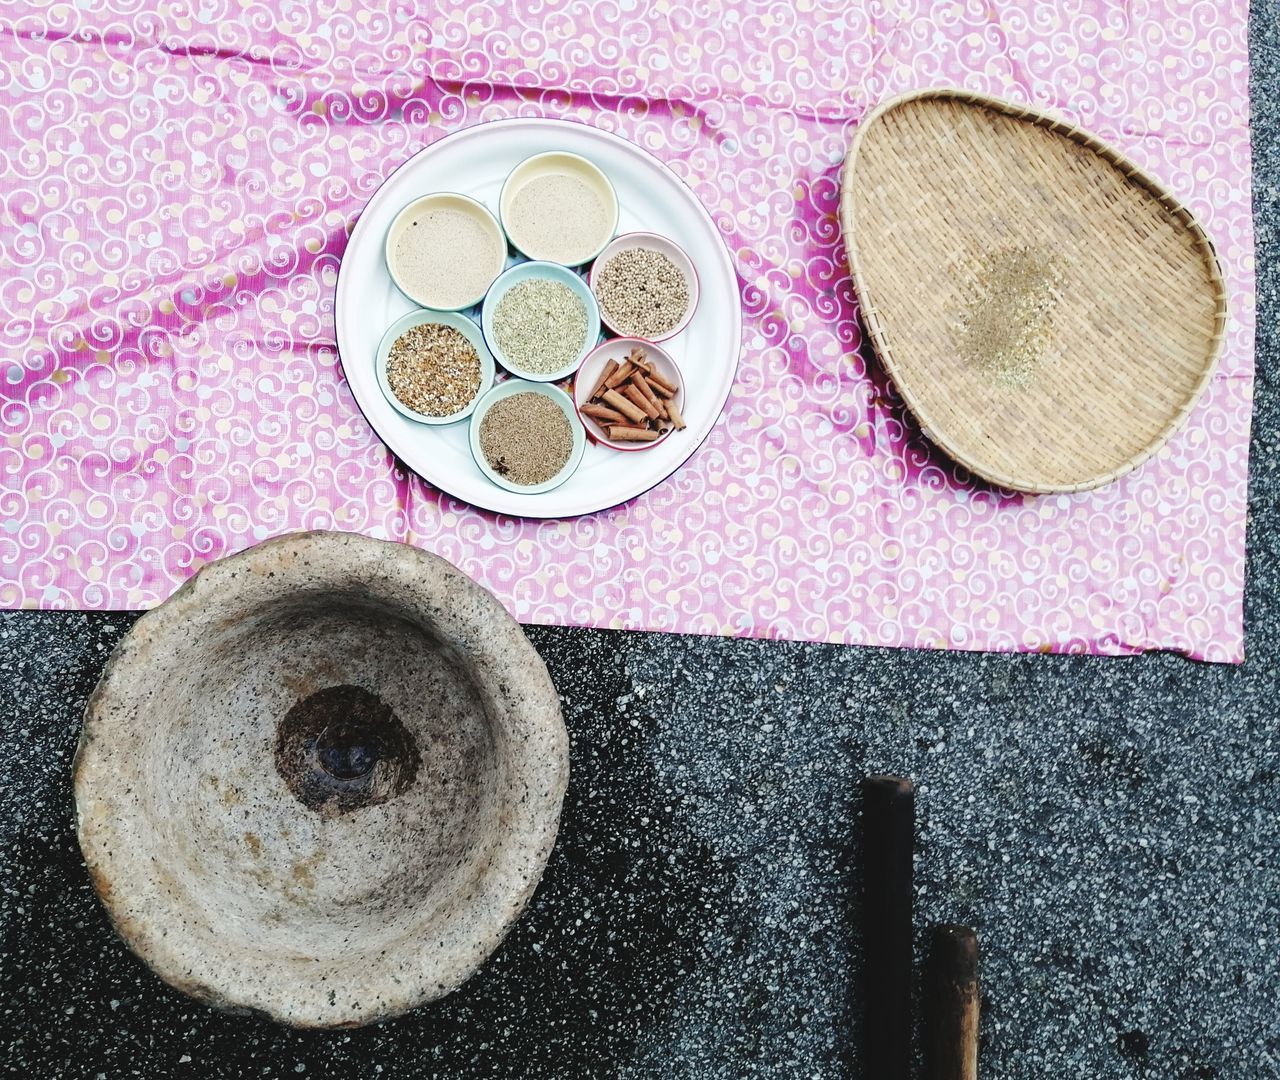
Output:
(321, 780)
(1111, 828)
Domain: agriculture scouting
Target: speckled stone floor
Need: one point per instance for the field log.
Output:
(1112, 827)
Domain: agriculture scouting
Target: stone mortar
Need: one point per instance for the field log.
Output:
(321, 781)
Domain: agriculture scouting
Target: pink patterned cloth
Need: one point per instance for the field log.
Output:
(178, 184)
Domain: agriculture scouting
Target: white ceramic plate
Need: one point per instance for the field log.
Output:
(476, 161)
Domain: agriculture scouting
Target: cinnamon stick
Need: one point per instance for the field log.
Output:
(658, 382)
(639, 400)
(613, 398)
(621, 375)
(633, 434)
(609, 369)
(676, 417)
(599, 412)
(640, 383)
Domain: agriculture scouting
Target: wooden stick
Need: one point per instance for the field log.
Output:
(609, 369)
(617, 401)
(888, 835)
(951, 1003)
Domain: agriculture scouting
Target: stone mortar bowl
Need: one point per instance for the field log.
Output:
(321, 781)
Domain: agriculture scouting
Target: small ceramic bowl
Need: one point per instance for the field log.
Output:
(589, 374)
(652, 242)
(550, 272)
(461, 323)
(519, 386)
(447, 200)
(548, 164)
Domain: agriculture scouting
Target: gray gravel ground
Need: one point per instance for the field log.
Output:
(1110, 826)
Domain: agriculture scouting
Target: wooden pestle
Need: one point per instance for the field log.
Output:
(888, 836)
(951, 995)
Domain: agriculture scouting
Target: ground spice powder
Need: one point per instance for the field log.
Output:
(433, 369)
(526, 438)
(1005, 327)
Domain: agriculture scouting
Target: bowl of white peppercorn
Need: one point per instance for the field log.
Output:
(646, 286)
(540, 321)
(433, 366)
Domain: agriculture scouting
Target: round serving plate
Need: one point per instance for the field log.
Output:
(477, 161)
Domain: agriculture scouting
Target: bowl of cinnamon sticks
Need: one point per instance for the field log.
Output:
(629, 394)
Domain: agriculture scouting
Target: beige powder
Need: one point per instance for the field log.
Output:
(447, 258)
(560, 218)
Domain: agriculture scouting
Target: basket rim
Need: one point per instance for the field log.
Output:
(1132, 171)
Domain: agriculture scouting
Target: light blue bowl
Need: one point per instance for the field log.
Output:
(469, 330)
(519, 386)
(552, 272)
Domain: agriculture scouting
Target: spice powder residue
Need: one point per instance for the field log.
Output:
(433, 369)
(1005, 327)
(526, 438)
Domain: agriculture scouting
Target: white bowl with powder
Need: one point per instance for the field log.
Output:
(505, 392)
(444, 250)
(558, 207)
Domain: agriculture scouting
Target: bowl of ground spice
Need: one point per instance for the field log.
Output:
(540, 320)
(526, 436)
(443, 251)
(558, 207)
(433, 366)
(646, 286)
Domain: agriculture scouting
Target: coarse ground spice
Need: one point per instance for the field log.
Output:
(433, 369)
(1005, 328)
(526, 438)
(642, 292)
(540, 325)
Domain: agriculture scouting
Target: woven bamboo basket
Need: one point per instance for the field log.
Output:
(1048, 311)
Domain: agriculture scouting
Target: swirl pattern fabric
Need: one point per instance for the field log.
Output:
(179, 181)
